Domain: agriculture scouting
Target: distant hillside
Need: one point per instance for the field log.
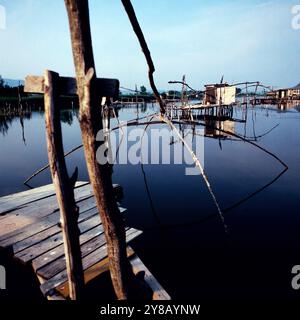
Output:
(13, 82)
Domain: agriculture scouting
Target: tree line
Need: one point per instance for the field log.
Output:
(8, 91)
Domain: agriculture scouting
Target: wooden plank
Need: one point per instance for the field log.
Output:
(159, 292)
(56, 253)
(38, 200)
(50, 219)
(13, 201)
(90, 274)
(68, 86)
(88, 261)
(54, 241)
(34, 84)
(33, 212)
(42, 235)
(43, 224)
(55, 296)
(53, 262)
(39, 231)
(37, 193)
(90, 241)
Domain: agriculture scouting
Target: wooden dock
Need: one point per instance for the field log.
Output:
(201, 111)
(130, 102)
(30, 232)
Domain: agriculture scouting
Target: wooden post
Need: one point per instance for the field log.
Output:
(183, 92)
(64, 187)
(90, 123)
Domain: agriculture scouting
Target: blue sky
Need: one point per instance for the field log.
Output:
(244, 40)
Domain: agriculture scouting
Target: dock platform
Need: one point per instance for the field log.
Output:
(30, 233)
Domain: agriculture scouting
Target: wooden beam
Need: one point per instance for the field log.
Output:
(68, 86)
(64, 187)
(159, 293)
(90, 123)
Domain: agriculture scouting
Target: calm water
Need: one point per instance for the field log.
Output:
(184, 242)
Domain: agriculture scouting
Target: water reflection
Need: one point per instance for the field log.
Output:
(5, 122)
(221, 117)
(213, 128)
(218, 125)
(8, 116)
(260, 200)
(219, 122)
(289, 105)
(67, 116)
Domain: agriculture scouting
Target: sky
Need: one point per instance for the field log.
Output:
(248, 40)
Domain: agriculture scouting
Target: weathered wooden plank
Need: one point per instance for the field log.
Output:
(34, 84)
(42, 224)
(38, 201)
(42, 235)
(13, 201)
(92, 237)
(41, 230)
(47, 264)
(62, 292)
(88, 261)
(55, 296)
(49, 256)
(90, 241)
(159, 292)
(68, 86)
(54, 241)
(48, 218)
(33, 212)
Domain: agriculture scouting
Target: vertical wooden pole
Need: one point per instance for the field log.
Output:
(64, 187)
(90, 123)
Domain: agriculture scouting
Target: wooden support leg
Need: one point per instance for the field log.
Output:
(90, 123)
(63, 187)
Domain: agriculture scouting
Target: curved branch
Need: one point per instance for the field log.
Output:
(139, 33)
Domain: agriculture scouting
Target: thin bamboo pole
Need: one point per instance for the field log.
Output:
(200, 167)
